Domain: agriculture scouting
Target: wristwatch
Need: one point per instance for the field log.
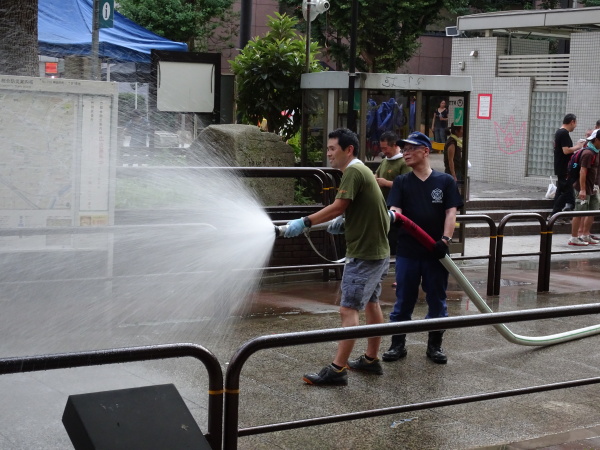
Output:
(307, 222)
(447, 239)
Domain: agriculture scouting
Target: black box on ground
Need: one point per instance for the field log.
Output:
(149, 418)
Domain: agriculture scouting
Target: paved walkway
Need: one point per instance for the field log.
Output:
(49, 317)
(480, 361)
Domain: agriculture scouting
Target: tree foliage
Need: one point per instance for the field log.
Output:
(190, 21)
(387, 32)
(268, 72)
(18, 38)
(483, 6)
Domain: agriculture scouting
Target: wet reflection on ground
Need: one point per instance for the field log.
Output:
(571, 282)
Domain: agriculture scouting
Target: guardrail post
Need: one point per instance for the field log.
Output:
(543, 267)
(498, 262)
(545, 286)
(499, 246)
(463, 218)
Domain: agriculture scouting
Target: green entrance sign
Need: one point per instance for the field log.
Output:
(106, 13)
(459, 116)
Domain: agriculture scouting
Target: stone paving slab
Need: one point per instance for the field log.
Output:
(272, 389)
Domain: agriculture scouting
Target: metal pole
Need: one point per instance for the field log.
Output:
(245, 22)
(308, 31)
(352, 67)
(95, 40)
(304, 113)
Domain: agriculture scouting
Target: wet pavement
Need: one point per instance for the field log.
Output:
(47, 317)
(480, 361)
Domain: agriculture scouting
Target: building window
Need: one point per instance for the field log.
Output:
(547, 112)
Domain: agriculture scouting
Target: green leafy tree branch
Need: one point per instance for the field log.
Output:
(268, 72)
(387, 32)
(190, 21)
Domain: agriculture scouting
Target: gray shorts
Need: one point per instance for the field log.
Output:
(591, 202)
(361, 282)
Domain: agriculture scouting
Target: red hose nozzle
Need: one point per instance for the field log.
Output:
(414, 230)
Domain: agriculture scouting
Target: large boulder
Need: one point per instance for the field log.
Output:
(248, 146)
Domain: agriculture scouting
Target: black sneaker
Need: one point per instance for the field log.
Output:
(328, 376)
(364, 365)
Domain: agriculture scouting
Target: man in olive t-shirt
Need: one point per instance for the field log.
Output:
(366, 225)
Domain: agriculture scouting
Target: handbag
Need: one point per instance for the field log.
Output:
(551, 190)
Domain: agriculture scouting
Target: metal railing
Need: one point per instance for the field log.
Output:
(491, 256)
(500, 244)
(223, 408)
(326, 182)
(131, 354)
(544, 284)
(545, 252)
(464, 218)
(495, 255)
(231, 430)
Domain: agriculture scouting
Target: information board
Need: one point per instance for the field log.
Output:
(57, 152)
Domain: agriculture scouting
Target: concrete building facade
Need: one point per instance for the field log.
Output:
(521, 92)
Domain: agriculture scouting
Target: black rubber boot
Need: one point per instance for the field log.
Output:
(397, 349)
(435, 352)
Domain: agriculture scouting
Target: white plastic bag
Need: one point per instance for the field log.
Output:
(551, 189)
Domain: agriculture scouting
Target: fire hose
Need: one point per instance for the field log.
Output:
(427, 241)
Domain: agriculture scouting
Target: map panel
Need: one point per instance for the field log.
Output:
(36, 150)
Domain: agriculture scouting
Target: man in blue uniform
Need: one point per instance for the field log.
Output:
(431, 200)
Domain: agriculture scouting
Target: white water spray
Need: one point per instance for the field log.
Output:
(183, 258)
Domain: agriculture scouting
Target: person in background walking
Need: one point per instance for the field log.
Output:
(453, 155)
(563, 149)
(439, 123)
(392, 165)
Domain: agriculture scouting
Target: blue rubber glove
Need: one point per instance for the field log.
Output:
(294, 228)
(337, 226)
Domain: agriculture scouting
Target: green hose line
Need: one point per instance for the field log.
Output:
(483, 307)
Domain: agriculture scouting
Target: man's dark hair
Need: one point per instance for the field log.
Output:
(569, 118)
(345, 138)
(390, 137)
(597, 123)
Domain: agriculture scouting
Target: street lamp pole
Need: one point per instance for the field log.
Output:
(304, 112)
(245, 22)
(352, 67)
(95, 41)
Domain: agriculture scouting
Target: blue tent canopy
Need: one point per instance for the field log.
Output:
(65, 28)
